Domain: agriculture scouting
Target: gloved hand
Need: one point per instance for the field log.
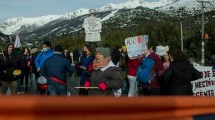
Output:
(87, 84)
(102, 86)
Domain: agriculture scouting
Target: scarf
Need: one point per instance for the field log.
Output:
(100, 65)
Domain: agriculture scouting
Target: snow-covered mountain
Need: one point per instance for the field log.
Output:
(30, 25)
(11, 26)
(189, 6)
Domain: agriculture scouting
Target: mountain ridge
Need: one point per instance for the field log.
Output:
(11, 26)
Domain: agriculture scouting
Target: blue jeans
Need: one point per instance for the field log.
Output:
(55, 90)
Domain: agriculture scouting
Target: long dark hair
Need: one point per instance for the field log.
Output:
(163, 57)
(179, 56)
(8, 47)
(116, 55)
(89, 47)
(23, 50)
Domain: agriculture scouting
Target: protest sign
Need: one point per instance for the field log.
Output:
(206, 85)
(136, 45)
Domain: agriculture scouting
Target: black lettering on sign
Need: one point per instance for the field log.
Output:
(132, 41)
(206, 93)
(207, 74)
(213, 73)
(196, 84)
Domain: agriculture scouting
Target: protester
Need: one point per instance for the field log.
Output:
(180, 74)
(10, 70)
(26, 61)
(76, 55)
(33, 75)
(116, 55)
(105, 74)
(124, 71)
(132, 65)
(46, 52)
(153, 88)
(67, 55)
(163, 52)
(55, 72)
(86, 63)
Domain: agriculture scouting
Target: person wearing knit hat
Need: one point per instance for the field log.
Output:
(104, 51)
(105, 74)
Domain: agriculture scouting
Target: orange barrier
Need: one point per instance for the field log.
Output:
(103, 108)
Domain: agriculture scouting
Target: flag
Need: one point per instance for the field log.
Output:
(17, 43)
(2, 39)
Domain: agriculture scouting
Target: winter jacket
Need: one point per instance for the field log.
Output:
(42, 56)
(10, 62)
(179, 77)
(110, 76)
(132, 66)
(159, 70)
(56, 66)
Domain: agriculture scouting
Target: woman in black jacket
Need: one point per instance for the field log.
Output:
(180, 74)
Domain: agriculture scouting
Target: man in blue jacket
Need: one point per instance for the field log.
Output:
(54, 69)
(46, 52)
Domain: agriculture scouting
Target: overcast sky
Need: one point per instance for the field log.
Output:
(36, 8)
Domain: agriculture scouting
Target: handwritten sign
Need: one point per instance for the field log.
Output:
(92, 25)
(206, 85)
(136, 45)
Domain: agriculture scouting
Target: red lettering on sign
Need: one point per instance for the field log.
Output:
(139, 39)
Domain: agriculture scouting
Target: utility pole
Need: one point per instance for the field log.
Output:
(182, 41)
(181, 25)
(203, 30)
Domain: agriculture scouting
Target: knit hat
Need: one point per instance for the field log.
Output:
(103, 51)
(124, 48)
(162, 50)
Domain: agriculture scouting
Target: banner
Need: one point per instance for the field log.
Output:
(206, 85)
(17, 43)
(136, 45)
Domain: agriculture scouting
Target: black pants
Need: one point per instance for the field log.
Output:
(25, 75)
(151, 91)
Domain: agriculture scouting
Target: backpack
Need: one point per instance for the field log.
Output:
(145, 70)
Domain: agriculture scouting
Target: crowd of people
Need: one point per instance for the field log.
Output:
(100, 71)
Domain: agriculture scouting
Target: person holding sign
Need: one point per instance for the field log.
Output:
(179, 75)
(132, 65)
